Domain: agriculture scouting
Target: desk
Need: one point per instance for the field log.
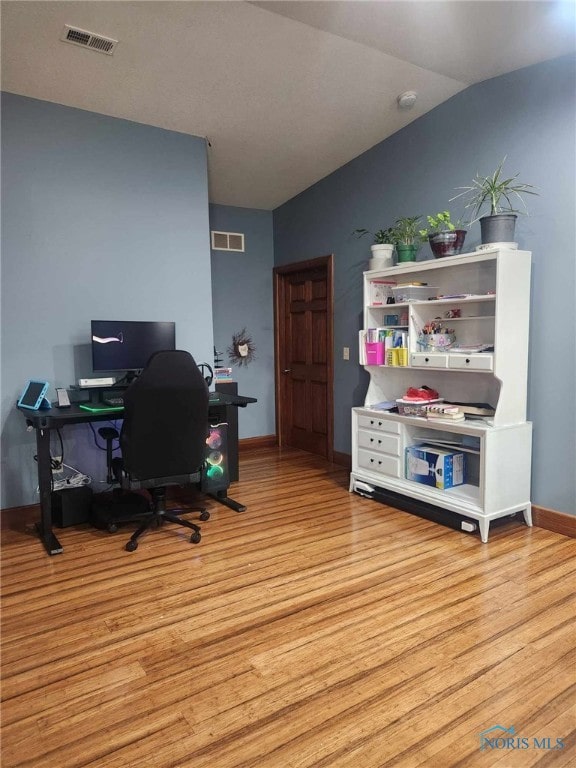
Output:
(44, 421)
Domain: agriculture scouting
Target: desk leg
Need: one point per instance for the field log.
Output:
(223, 498)
(44, 527)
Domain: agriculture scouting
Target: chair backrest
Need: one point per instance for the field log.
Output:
(165, 418)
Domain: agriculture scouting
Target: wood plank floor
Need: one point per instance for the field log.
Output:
(317, 628)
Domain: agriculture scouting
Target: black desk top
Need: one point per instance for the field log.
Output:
(58, 417)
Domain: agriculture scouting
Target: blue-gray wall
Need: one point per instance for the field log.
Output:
(101, 214)
(528, 116)
(101, 218)
(242, 298)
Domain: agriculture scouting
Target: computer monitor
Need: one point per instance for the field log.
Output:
(126, 345)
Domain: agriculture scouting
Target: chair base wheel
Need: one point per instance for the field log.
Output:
(195, 538)
(205, 515)
(131, 546)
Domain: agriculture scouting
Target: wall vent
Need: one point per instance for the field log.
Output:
(227, 241)
(86, 39)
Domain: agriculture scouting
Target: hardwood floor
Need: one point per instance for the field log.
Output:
(317, 628)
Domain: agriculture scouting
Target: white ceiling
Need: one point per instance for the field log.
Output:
(286, 92)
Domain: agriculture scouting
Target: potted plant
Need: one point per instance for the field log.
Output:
(445, 237)
(407, 237)
(382, 248)
(499, 194)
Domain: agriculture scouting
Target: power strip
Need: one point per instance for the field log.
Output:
(74, 481)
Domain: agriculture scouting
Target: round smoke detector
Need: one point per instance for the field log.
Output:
(407, 99)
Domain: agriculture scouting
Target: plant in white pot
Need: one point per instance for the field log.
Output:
(382, 247)
(500, 194)
(445, 237)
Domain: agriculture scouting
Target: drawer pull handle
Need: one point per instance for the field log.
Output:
(426, 359)
(467, 359)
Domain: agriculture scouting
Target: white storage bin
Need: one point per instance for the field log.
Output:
(403, 293)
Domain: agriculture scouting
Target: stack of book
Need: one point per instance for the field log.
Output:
(475, 409)
(444, 412)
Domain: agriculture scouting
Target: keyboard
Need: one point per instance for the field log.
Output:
(114, 401)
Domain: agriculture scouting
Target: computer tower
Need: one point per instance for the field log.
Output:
(229, 414)
(215, 476)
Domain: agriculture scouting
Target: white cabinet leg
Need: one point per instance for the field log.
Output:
(484, 527)
(528, 515)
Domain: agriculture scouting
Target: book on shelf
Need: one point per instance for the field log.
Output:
(385, 405)
(443, 408)
(461, 445)
(475, 409)
(444, 412)
(390, 336)
(450, 416)
(470, 349)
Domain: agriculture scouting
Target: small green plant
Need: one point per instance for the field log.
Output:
(406, 230)
(442, 222)
(499, 193)
(381, 237)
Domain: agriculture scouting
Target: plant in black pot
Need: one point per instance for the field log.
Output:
(445, 237)
(406, 233)
(500, 194)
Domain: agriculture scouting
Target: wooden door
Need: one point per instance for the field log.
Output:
(304, 355)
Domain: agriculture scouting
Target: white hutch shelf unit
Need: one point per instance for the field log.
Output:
(490, 291)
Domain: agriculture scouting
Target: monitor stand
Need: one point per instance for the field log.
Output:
(128, 378)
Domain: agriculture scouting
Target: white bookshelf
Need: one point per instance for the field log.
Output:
(491, 290)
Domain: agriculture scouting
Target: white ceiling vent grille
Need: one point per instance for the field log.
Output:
(227, 241)
(86, 39)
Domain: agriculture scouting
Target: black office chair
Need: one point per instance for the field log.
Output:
(163, 437)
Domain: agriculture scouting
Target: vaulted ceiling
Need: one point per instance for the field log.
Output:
(286, 92)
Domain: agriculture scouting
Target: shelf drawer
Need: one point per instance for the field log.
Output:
(481, 362)
(382, 425)
(375, 441)
(429, 360)
(378, 462)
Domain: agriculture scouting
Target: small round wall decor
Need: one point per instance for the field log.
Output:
(242, 351)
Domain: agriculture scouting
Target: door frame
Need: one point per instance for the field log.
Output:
(280, 274)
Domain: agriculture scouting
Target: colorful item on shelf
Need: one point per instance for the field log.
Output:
(420, 395)
(436, 342)
(435, 337)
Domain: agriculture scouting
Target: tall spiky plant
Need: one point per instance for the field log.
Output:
(499, 193)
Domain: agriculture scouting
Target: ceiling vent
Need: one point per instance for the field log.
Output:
(227, 241)
(88, 40)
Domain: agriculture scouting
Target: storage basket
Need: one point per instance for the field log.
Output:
(404, 293)
(436, 342)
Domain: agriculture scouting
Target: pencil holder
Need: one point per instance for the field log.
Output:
(397, 356)
(435, 342)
